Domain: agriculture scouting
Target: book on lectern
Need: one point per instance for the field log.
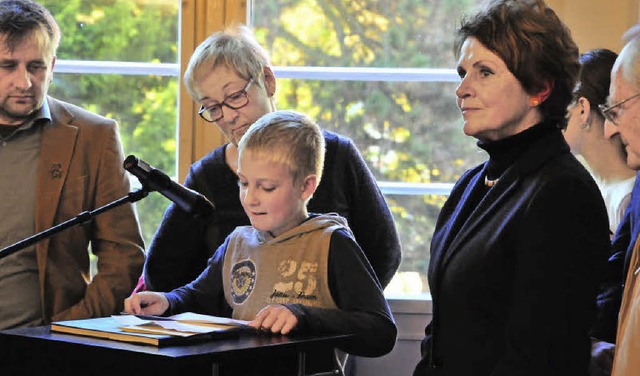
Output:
(154, 330)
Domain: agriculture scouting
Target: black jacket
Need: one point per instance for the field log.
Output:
(514, 268)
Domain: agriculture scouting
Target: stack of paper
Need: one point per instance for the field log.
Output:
(153, 330)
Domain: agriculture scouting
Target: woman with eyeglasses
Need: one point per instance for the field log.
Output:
(604, 157)
(230, 75)
(519, 243)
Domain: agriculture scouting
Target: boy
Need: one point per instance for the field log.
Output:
(289, 271)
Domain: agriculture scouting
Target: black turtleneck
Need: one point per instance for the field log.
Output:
(503, 153)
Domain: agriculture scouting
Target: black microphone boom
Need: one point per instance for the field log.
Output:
(153, 179)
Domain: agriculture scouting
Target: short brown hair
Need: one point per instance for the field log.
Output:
(535, 45)
(19, 19)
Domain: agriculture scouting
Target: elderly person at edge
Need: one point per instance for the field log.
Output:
(622, 116)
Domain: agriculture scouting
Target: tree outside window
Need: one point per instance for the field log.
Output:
(409, 132)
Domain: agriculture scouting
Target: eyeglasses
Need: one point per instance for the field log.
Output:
(606, 111)
(234, 101)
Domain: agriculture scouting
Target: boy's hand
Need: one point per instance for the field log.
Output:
(146, 303)
(275, 318)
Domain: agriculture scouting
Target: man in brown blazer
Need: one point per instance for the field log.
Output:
(56, 161)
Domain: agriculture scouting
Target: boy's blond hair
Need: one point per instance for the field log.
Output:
(287, 137)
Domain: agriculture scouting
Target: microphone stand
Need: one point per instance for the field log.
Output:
(81, 218)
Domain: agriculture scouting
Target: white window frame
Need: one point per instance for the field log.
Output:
(305, 73)
(308, 73)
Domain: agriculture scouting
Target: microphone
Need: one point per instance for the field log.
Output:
(153, 179)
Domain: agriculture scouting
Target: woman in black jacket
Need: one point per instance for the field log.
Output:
(519, 243)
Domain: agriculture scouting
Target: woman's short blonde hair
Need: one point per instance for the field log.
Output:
(235, 48)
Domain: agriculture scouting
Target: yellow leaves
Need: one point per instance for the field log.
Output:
(302, 98)
(313, 28)
(169, 145)
(95, 16)
(361, 53)
(414, 175)
(94, 108)
(402, 101)
(434, 200)
(138, 132)
(308, 22)
(405, 283)
(400, 134)
(399, 211)
(367, 17)
(150, 95)
(395, 134)
(354, 110)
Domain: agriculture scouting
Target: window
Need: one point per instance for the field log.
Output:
(380, 72)
(120, 59)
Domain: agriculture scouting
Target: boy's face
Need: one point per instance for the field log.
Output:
(268, 193)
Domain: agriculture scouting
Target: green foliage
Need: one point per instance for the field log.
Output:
(406, 131)
(144, 106)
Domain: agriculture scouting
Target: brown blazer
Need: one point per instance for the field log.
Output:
(80, 169)
(626, 360)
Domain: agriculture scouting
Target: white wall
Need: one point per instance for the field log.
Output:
(412, 314)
